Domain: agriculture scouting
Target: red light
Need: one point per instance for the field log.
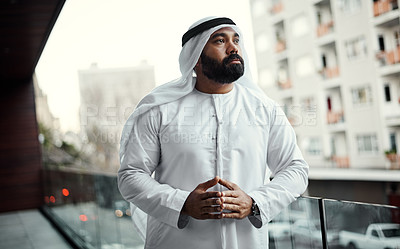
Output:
(65, 192)
(46, 199)
(52, 199)
(83, 217)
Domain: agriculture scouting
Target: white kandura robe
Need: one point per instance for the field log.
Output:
(239, 136)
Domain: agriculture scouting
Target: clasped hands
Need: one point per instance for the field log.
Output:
(202, 204)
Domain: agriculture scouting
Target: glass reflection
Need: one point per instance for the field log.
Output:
(92, 207)
(362, 226)
(297, 227)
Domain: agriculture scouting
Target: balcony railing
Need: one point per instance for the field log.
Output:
(280, 46)
(92, 214)
(394, 160)
(341, 161)
(384, 6)
(325, 28)
(330, 72)
(389, 57)
(335, 117)
(285, 84)
(276, 8)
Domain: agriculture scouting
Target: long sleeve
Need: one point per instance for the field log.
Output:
(287, 165)
(135, 180)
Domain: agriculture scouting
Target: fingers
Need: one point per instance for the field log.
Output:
(231, 207)
(215, 209)
(211, 194)
(231, 215)
(208, 184)
(229, 193)
(203, 204)
(229, 185)
(230, 200)
(211, 202)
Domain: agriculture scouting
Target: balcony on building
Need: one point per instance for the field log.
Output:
(284, 84)
(391, 91)
(325, 23)
(329, 62)
(283, 78)
(280, 37)
(325, 28)
(394, 159)
(335, 113)
(280, 45)
(341, 161)
(329, 72)
(339, 153)
(335, 117)
(276, 7)
(388, 55)
(387, 24)
(382, 7)
(290, 110)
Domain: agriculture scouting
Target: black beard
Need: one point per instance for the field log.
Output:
(222, 72)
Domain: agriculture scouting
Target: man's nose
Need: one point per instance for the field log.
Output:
(233, 48)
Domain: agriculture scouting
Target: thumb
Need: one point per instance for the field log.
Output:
(229, 185)
(208, 184)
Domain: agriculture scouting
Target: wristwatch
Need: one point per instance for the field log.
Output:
(255, 211)
(255, 215)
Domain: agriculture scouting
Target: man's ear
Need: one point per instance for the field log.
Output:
(197, 64)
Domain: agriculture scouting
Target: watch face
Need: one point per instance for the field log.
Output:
(255, 210)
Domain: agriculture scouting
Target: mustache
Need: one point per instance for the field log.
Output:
(232, 57)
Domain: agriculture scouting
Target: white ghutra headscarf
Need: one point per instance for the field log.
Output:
(193, 43)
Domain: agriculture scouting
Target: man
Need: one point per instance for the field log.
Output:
(211, 140)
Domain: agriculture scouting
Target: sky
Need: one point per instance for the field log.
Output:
(122, 33)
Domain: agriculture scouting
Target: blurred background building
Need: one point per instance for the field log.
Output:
(108, 96)
(334, 66)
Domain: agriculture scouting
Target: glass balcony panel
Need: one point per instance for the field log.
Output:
(356, 225)
(91, 206)
(297, 227)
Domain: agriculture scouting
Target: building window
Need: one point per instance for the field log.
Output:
(323, 58)
(319, 18)
(304, 66)
(262, 43)
(259, 8)
(387, 93)
(300, 26)
(362, 95)
(397, 37)
(266, 78)
(367, 144)
(356, 48)
(349, 7)
(312, 146)
(381, 42)
(308, 104)
(393, 143)
(329, 103)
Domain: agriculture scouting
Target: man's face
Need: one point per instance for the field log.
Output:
(221, 59)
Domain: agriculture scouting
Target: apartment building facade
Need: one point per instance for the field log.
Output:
(108, 97)
(334, 67)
